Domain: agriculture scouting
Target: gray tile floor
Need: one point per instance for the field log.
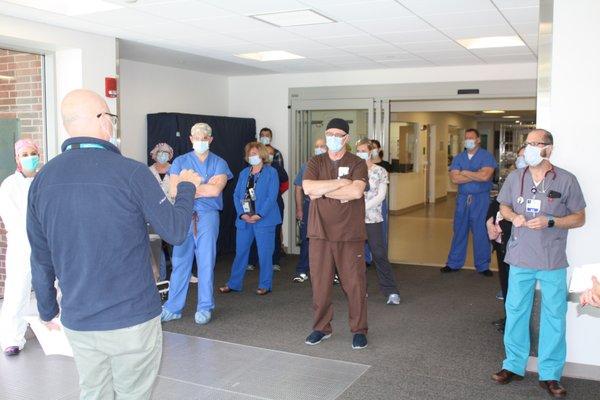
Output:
(193, 368)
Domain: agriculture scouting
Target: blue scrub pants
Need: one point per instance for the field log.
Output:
(552, 348)
(204, 247)
(265, 243)
(384, 213)
(471, 212)
(303, 267)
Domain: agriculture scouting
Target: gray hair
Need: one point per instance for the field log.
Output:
(201, 129)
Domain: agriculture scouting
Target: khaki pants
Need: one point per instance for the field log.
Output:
(348, 257)
(119, 364)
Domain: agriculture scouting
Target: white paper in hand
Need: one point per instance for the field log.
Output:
(581, 279)
(52, 342)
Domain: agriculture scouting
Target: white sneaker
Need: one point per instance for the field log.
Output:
(276, 267)
(300, 278)
(250, 267)
(193, 279)
(393, 299)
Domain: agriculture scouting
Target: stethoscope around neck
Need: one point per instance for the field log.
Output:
(521, 199)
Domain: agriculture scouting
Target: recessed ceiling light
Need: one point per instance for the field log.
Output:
(511, 116)
(493, 112)
(293, 18)
(68, 7)
(273, 55)
(491, 42)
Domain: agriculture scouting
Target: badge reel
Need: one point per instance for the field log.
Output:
(533, 205)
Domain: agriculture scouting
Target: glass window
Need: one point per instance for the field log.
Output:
(404, 141)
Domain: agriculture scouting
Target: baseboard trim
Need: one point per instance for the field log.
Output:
(571, 370)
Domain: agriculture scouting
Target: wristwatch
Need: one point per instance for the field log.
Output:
(550, 221)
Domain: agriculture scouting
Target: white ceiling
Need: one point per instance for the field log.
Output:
(368, 34)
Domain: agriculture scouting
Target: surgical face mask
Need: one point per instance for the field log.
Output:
(30, 163)
(469, 144)
(270, 158)
(162, 157)
(363, 154)
(319, 151)
(201, 146)
(334, 143)
(533, 155)
(520, 162)
(254, 160)
(265, 140)
(375, 153)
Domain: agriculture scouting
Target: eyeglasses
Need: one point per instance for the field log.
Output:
(536, 144)
(330, 134)
(113, 118)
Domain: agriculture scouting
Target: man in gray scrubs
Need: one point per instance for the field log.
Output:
(543, 202)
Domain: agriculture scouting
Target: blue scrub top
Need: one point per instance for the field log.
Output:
(482, 158)
(212, 165)
(298, 180)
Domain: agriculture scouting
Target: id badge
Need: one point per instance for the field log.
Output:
(343, 171)
(252, 194)
(246, 206)
(533, 206)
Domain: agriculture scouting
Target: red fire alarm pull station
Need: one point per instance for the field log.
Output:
(110, 87)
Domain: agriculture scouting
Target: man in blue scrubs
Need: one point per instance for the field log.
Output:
(202, 236)
(472, 170)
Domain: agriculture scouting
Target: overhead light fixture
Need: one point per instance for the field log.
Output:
(272, 55)
(69, 7)
(491, 42)
(493, 111)
(293, 18)
(6, 78)
(511, 116)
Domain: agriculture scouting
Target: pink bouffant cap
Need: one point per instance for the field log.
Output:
(24, 143)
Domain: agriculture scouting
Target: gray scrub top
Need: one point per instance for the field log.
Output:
(544, 248)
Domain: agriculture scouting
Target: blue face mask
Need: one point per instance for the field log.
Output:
(363, 154)
(30, 163)
(334, 143)
(201, 146)
(319, 151)
(469, 144)
(265, 140)
(520, 162)
(254, 160)
(162, 157)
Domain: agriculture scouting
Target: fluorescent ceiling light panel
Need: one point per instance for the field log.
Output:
(491, 42)
(493, 112)
(511, 116)
(68, 7)
(273, 55)
(293, 18)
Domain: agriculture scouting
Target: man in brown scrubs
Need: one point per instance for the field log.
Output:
(336, 182)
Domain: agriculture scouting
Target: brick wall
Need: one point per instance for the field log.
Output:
(21, 98)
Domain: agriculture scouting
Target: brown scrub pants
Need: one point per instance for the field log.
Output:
(348, 257)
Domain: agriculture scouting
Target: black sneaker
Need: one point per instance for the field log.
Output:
(447, 269)
(487, 273)
(316, 337)
(359, 341)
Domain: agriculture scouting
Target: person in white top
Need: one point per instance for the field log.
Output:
(374, 197)
(162, 153)
(13, 211)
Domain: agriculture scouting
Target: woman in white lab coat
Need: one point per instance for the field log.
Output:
(162, 153)
(13, 211)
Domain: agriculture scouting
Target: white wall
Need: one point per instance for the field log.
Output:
(575, 85)
(149, 88)
(265, 97)
(82, 60)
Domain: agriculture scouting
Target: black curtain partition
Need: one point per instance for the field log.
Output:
(230, 136)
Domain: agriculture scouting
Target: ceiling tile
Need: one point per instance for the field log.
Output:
(252, 7)
(123, 18)
(518, 58)
(516, 3)
(457, 20)
(347, 59)
(325, 30)
(501, 51)
(431, 46)
(181, 10)
(344, 41)
(361, 11)
(522, 15)
(530, 28)
(459, 61)
(373, 49)
(267, 35)
(324, 3)
(467, 32)
(212, 40)
(411, 37)
(169, 30)
(395, 56)
(229, 24)
(532, 42)
(402, 24)
(443, 53)
(426, 7)
(318, 52)
(407, 63)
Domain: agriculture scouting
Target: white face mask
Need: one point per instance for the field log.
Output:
(201, 146)
(334, 143)
(533, 155)
(319, 151)
(162, 157)
(254, 160)
(363, 154)
(265, 140)
(469, 144)
(520, 162)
